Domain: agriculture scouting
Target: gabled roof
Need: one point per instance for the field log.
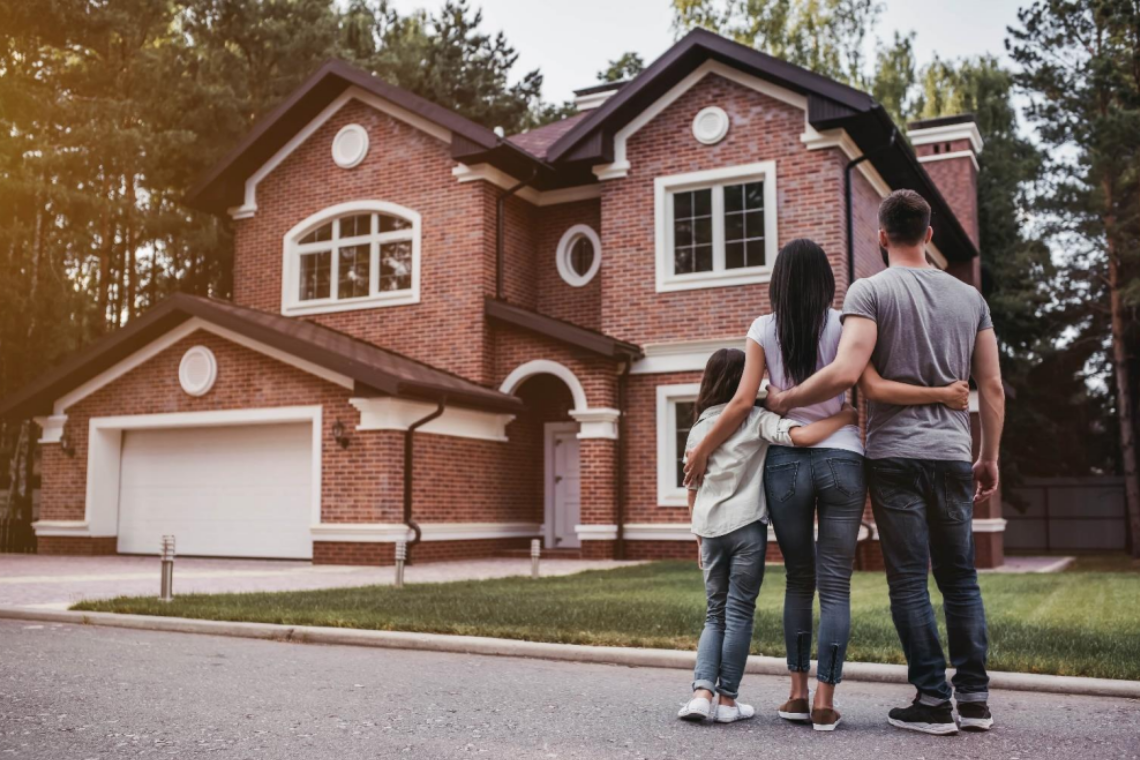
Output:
(537, 141)
(375, 371)
(831, 105)
(564, 332)
(222, 185)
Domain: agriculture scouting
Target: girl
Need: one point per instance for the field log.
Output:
(729, 518)
(822, 479)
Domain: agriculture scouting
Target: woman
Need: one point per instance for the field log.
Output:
(800, 336)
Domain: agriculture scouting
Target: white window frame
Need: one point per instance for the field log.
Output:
(566, 244)
(292, 305)
(715, 179)
(668, 396)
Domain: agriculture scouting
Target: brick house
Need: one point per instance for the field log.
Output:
(468, 341)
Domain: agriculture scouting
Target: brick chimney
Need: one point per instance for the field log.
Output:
(948, 148)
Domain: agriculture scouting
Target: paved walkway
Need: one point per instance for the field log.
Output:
(29, 580)
(83, 692)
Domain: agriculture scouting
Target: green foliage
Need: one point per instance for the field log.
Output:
(1069, 624)
(626, 67)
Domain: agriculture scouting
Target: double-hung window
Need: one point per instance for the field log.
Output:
(675, 405)
(716, 228)
(353, 256)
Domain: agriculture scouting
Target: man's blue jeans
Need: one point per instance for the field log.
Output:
(799, 483)
(924, 511)
(734, 570)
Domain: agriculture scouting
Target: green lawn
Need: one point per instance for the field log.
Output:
(1081, 624)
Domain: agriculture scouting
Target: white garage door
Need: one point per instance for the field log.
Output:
(221, 491)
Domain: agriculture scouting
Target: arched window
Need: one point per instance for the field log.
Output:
(356, 255)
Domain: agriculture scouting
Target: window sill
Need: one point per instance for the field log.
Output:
(678, 500)
(751, 276)
(358, 304)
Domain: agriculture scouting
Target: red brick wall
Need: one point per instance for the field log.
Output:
(404, 166)
(810, 197)
(957, 180)
(346, 553)
(556, 297)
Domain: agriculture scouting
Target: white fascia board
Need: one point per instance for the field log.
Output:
(390, 413)
(682, 356)
(596, 532)
(948, 133)
(500, 179)
(956, 154)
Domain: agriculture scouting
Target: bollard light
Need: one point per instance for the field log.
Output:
(401, 558)
(535, 552)
(166, 590)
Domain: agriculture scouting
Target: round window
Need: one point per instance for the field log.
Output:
(197, 371)
(579, 255)
(350, 146)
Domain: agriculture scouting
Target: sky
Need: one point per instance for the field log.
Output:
(570, 42)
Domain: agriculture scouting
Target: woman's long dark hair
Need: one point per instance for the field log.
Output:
(721, 379)
(802, 290)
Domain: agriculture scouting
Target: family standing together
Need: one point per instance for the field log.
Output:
(910, 338)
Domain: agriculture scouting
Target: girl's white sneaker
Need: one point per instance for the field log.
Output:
(695, 710)
(739, 711)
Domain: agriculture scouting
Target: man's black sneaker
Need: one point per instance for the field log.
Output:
(925, 718)
(975, 716)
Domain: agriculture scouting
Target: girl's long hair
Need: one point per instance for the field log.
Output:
(721, 379)
(802, 290)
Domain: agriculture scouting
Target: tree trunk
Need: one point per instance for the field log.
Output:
(105, 261)
(1124, 400)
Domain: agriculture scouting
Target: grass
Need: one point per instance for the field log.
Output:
(1079, 624)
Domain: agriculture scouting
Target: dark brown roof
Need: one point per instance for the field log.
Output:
(375, 371)
(565, 332)
(536, 141)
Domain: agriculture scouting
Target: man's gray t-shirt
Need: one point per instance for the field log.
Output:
(928, 322)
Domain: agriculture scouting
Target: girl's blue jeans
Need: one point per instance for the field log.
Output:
(734, 570)
(800, 483)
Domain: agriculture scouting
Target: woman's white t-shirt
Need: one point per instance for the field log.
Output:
(763, 333)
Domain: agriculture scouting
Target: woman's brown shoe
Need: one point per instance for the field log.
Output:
(795, 709)
(824, 719)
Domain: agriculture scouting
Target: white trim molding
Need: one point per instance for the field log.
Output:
(601, 422)
(715, 179)
(710, 125)
(659, 532)
(163, 342)
(989, 524)
(207, 368)
(65, 529)
(566, 245)
(669, 494)
(596, 532)
(293, 249)
(681, 356)
(51, 427)
(500, 179)
(388, 413)
(529, 369)
(104, 452)
(620, 166)
(948, 133)
(248, 208)
(955, 154)
(390, 533)
(841, 141)
(592, 100)
(345, 154)
(936, 256)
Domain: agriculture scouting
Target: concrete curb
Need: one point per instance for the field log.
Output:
(627, 656)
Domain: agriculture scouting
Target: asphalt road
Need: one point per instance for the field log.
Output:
(73, 693)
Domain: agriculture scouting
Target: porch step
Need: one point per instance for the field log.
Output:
(546, 553)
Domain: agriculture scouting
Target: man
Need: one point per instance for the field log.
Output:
(922, 326)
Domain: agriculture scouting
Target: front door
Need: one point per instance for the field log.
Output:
(563, 486)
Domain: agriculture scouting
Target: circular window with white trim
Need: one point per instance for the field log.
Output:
(197, 371)
(350, 146)
(579, 255)
(710, 125)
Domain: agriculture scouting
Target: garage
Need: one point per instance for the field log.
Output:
(228, 491)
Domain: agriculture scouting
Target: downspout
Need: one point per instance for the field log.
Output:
(851, 222)
(499, 242)
(409, 472)
(619, 471)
